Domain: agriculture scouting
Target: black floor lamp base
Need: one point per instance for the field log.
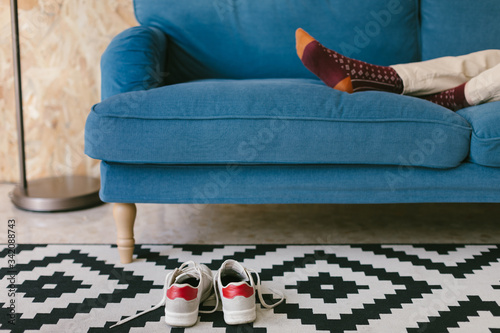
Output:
(57, 194)
(53, 194)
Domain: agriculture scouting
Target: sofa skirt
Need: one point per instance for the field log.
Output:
(295, 184)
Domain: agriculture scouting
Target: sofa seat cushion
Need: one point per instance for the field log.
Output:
(485, 140)
(268, 121)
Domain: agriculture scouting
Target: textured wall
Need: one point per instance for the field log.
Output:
(61, 45)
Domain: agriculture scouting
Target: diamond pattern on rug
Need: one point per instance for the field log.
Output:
(328, 288)
(50, 286)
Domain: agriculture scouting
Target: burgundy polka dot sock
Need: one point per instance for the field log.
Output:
(453, 99)
(343, 73)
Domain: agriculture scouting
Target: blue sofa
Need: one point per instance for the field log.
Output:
(207, 102)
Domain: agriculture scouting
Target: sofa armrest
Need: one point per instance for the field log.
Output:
(134, 60)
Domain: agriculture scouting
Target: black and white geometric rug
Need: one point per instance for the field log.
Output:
(328, 288)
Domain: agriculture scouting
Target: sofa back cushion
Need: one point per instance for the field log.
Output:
(256, 39)
(457, 27)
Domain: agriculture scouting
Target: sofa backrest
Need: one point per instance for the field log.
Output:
(457, 27)
(256, 38)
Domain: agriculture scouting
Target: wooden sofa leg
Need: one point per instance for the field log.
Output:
(124, 215)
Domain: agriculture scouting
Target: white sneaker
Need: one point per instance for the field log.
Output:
(237, 290)
(184, 290)
(187, 287)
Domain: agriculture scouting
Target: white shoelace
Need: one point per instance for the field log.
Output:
(258, 288)
(189, 267)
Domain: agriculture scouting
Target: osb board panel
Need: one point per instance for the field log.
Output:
(61, 45)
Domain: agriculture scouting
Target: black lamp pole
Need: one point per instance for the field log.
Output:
(47, 194)
(19, 94)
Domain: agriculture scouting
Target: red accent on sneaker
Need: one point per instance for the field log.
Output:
(231, 291)
(188, 293)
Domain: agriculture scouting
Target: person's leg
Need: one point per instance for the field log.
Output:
(343, 73)
(443, 81)
(453, 99)
(418, 79)
(485, 87)
(436, 75)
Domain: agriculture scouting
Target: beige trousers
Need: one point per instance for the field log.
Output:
(481, 69)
